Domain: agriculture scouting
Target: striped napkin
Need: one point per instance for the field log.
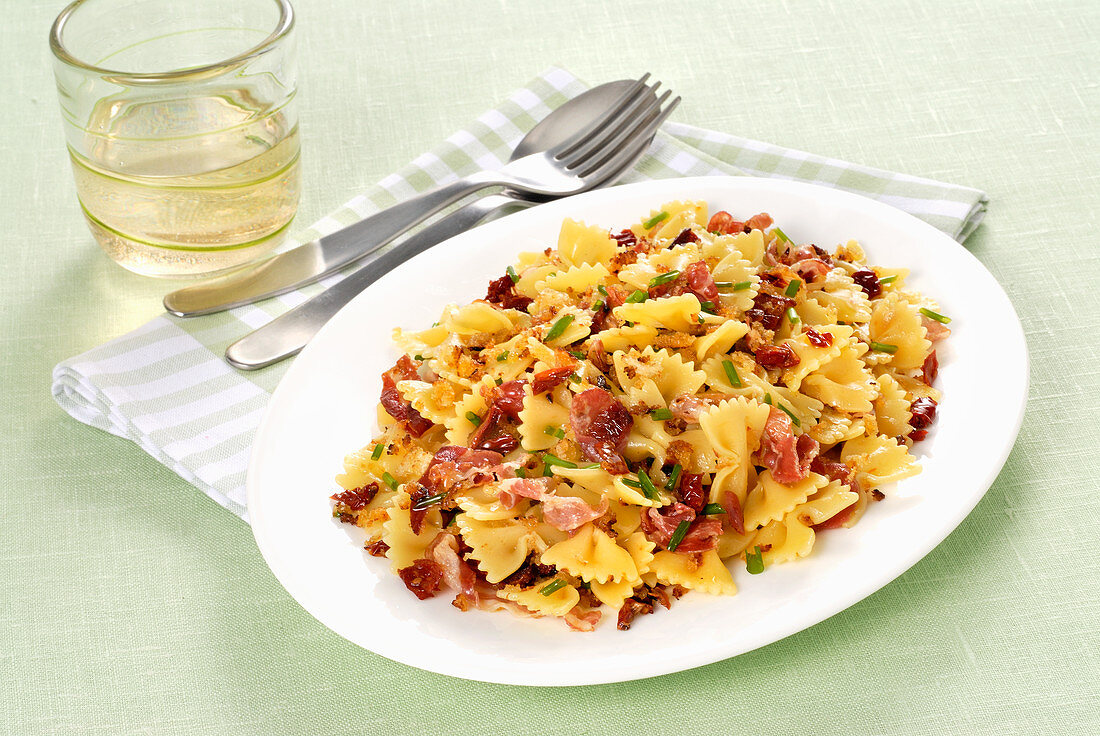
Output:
(166, 387)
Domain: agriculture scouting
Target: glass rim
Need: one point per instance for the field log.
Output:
(282, 28)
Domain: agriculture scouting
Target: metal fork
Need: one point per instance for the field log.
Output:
(565, 169)
(288, 334)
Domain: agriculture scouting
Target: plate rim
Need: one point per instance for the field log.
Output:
(688, 660)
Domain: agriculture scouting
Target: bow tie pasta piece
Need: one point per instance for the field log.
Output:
(591, 555)
(843, 383)
(720, 340)
(678, 313)
(771, 500)
(655, 376)
(897, 323)
(734, 429)
(623, 338)
(834, 427)
(664, 224)
(579, 244)
(435, 401)
(811, 356)
(576, 279)
(892, 412)
(878, 460)
(405, 545)
(540, 412)
(705, 573)
(839, 291)
(499, 547)
(556, 603)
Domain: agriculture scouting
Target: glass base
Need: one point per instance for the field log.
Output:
(176, 263)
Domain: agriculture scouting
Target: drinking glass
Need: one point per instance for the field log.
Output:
(181, 128)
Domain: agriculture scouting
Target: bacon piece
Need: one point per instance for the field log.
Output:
(924, 413)
(568, 513)
(930, 368)
(450, 467)
(758, 222)
(514, 489)
(630, 610)
(787, 456)
(811, 269)
(722, 222)
(811, 252)
(598, 356)
(616, 295)
(686, 236)
(457, 575)
(776, 356)
(694, 279)
(422, 577)
(688, 408)
(492, 435)
(868, 281)
(934, 331)
(818, 339)
(734, 512)
(660, 524)
(601, 423)
(502, 292)
(395, 405)
(690, 491)
(701, 535)
(579, 620)
(544, 381)
(837, 520)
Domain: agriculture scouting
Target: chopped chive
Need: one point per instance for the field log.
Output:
(661, 414)
(512, 274)
(731, 374)
(499, 380)
(632, 484)
(474, 419)
(390, 481)
(558, 328)
(768, 399)
(754, 561)
(578, 354)
(574, 378)
(628, 323)
(935, 315)
(636, 297)
(503, 356)
(590, 466)
(418, 356)
(598, 306)
(663, 278)
(435, 324)
(792, 316)
(888, 279)
(552, 587)
(648, 488)
(554, 432)
(678, 535)
(792, 288)
(549, 459)
(673, 477)
(602, 289)
(547, 471)
(428, 501)
(521, 472)
(377, 452)
(657, 218)
(742, 285)
(884, 347)
(707, 307)
(723, 284)
(699, 318)
(781, 234)
(712, 509)
(794, 420)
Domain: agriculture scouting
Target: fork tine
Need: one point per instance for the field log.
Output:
(599, 141)
(637, 91)
(628, 132)
(628, 153)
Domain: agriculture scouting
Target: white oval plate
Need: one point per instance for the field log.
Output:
(325, 408)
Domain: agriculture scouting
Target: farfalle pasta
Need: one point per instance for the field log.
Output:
(631, 415)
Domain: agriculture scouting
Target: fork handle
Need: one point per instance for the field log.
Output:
(288, 334)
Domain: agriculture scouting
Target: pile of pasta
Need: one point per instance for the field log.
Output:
(690, 396)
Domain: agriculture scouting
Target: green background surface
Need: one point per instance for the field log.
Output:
(131, 603)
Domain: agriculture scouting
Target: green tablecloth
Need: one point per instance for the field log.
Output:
(130, 603)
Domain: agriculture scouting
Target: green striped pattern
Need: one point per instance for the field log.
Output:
(166, 387)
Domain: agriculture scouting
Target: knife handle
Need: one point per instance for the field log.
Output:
(288, 334)
(311, 261)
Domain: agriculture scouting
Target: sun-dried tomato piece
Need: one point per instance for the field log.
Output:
(868, 281)
(376, 549)
(491, 434)
(395, 405)
(630, 610)
(768, 309)
(930, 368)
(502, 292)
(626, 238)
(818, 339)
(924, 414)
(690, 491)
(776, 356)
(422, 577)
(686, 236)
(356, 498)
(545, 380)
(734, 512)
(508, 397)
(601, 423)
